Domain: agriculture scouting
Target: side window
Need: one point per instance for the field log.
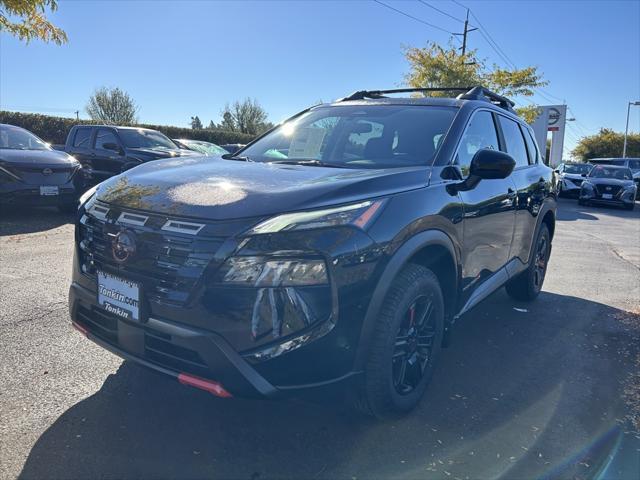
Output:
(103, 137)
(81, 139)
(634, 165)
(514, 141)
(532, 148)
(480, 133)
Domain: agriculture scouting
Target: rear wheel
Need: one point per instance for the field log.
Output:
(405, 345)
(528, 284)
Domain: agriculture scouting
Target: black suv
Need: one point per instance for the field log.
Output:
(106, 150)
(338, 248)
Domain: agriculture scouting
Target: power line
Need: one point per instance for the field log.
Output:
(413, 18)
(441, 11)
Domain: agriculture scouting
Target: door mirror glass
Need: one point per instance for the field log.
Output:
(490, 164)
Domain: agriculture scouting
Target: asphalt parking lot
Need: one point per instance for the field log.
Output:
(540, 390)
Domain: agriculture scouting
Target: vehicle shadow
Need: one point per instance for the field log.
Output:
(569, 210)
(496, 408)
(20, 220)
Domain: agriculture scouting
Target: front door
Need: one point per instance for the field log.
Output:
(489, 209)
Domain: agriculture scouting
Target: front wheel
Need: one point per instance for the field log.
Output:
(527, 285)
(405, 345)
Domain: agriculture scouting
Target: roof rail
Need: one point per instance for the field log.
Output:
(466, 93)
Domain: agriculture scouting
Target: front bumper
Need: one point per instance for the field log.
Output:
(623, 197)
(177, 350)
(29, 195)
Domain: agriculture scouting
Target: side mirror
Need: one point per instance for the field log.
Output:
(583, 175)
(487, 164)
(556, 171)
(112, 146)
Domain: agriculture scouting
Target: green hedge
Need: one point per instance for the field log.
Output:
(55, 129)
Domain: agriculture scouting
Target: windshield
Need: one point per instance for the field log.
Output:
(16, 138)
(609, 161)
(369, 136)
(578, 169)
(204, 147)
(141, 138)
(610, 172)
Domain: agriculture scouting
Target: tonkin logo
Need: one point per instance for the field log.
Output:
(123, 246)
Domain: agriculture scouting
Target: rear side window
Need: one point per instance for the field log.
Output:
(514, 142)
(634, 165)
(81, 139)
(480, 133)
(532, 148)
(103, 137)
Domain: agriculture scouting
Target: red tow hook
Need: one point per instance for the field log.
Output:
(203, 384)
(80, 328)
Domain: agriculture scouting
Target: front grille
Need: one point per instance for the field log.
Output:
(102, 324)
(167, 263)
(159, 348)
(609, 189)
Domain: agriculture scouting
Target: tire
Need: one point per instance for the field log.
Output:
(582, 202)
(399, 366)
(527, 285)
(631, 206)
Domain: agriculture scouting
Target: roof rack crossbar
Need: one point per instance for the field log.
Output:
(362, 94)
(482, 93)
(466, 93)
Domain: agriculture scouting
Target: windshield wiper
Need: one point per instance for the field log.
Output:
(231, 156)
(310, 162)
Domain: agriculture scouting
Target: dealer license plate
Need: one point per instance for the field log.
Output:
(47, 190)
(607, 196)
(119, 296)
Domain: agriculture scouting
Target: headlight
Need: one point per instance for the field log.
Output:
(86, 196)
(357, 214)
(274, 272)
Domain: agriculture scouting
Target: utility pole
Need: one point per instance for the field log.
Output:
(77, 112)
(626, 130)
(464, 35)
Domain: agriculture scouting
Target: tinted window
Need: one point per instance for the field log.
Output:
(82, 137)
(103, 137)
(367, 136)
(141, 138)
(514, 141)
(480, 133)
(532, 148)
(602, 171)
(16, 138)
(634, 165)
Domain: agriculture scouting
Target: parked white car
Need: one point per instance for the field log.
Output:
(571, 177)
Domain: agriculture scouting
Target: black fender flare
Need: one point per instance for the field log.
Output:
(399, 259)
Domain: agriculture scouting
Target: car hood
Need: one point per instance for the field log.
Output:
(609, 181)
(159, 153)
(573, 176)
(205, 187)
(36, 157)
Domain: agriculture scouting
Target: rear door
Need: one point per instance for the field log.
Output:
(106, 162)
(489, 208)
(80, 146)
(532, 182)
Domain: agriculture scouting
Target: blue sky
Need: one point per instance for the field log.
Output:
(184, 58)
